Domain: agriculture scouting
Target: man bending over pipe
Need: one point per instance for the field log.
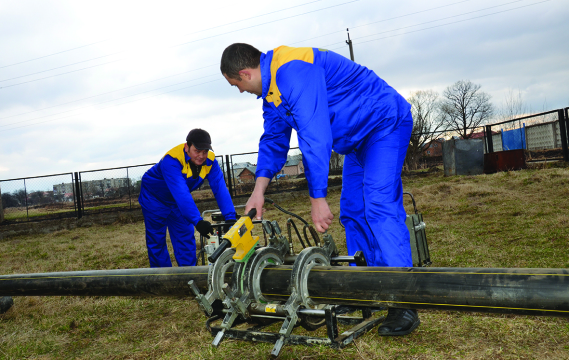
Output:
(334, 103)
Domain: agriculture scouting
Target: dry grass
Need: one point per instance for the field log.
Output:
(511, 219)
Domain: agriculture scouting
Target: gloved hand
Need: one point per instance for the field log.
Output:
(204, 228)
(228, 225)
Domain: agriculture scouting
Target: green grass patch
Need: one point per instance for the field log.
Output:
(511, 219)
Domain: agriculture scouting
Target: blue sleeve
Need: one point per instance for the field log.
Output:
(217, 183)
(304, 93)
(176, 182)
(274, 144)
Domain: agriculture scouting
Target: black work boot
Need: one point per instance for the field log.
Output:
(399, 322)
(6, 303)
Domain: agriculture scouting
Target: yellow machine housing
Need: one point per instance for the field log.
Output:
(241, 239)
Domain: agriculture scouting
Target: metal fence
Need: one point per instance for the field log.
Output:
(242, 169)
(87, 192)
(81, 193)
(543, 131)
(38, 198)
(109, 189)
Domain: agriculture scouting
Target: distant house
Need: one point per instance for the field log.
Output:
(247, 174)
(293, 166)
(481, 134)
(241, 165)
(434, 147)
(244, 172)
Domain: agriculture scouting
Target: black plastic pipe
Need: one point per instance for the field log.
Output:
(515, 291)
(131, 282)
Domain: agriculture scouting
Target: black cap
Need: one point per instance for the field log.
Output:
(200, 139)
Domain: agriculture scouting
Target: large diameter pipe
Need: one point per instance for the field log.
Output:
(171, 281)
(515, 291)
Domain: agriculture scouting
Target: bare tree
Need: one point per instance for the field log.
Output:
(465, 107)
(336, 162)
(513, 107)
(427, 121)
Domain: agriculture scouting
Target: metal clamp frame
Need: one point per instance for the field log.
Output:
(333, 338)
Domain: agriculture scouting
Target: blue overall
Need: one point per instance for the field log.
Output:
(167, 203)
(335, 104)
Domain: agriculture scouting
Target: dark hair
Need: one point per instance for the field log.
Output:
(237, 57)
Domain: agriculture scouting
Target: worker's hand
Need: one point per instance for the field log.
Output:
(321, 214)
(204, 228)
(228, 225)
(256, 201)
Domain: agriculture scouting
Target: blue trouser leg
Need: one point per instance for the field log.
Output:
(352, 210)
(372, 199)
(182, 237)
(156, 239)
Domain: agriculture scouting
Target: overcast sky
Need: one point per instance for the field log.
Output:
(98, 84)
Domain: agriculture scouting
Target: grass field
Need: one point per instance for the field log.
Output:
(509, 219)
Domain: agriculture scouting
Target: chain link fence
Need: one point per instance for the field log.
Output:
(290, 178)
(111, 189)
(105, 190)
(38, 198)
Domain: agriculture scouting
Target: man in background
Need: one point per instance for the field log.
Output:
(167, 203)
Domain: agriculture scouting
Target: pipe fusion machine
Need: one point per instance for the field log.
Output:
(242, 300)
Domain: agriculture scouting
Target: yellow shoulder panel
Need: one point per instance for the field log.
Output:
(205, 167)
(282, 55)
(178, 153)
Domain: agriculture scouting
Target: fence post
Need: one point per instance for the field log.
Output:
(1, 207)
(563, 130)
(566, 116)
(26, 193)
(78, 196)
(229, 184)
(489, 138)
(128, 186)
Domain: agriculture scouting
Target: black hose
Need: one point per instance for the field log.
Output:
(289, 222)
(306, 236)
(270, 201)
(314, 235)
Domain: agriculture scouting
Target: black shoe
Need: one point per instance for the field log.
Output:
(399, 322)
(6, 303)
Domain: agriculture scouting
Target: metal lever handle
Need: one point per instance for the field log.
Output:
(225, 244)
(251, 214)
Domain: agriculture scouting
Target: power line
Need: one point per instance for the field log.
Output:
(128, 102)
(432, 27)
(105, 93)
(57, 53)
(173, 46)
(124, 97)
(270, 22)
(331, 49)
(101, 41)
(384, 20)
(375, 22)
